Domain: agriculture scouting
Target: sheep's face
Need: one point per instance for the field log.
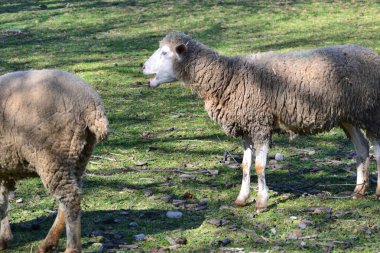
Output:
(160, 64)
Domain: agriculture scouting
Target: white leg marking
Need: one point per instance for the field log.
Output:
(246, 167)
(260, 164)
(362, 157)
(376, 147)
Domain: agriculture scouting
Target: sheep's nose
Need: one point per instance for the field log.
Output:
(142, 65)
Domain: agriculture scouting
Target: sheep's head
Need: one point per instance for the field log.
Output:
(161, 63)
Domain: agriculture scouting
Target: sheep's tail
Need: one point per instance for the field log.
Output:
(98, 124)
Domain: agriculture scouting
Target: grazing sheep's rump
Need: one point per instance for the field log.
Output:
(50, 121)
(302, 92)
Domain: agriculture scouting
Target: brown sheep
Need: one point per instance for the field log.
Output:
(302, 92)
(50, 122)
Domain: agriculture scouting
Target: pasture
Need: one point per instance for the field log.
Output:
(165, 154)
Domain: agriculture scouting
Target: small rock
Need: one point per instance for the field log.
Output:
(251, 215)
(155, 197)
(212, 172)
(302, 244)
(140, 163)
(295, 235)
(181, 240)
(139, 237)
(218, 222)
(234, 166)
(178, 202)
(279, 157)
(302, 225)
(133, 224)
(235, 250)
(318, 210)
(187, 177)
(20, 200)
(191, 206)
(174, 214)
(129, 246)
(168, 198)
(293, 217)
(273, 230)
(199, 208)
(148, 193)
(224, 242)
(170, 240)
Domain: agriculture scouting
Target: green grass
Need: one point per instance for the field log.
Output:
(104, 42)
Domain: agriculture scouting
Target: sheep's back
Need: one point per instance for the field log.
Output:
(43, 110)
(311, 91)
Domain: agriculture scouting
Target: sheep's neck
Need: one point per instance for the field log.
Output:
(211, 75)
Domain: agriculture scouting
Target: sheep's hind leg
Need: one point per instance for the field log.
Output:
(362, 156)
(5, 231)
(260, 164)
(64, 185)
(51, 240)
(246, 167)
(376, 146)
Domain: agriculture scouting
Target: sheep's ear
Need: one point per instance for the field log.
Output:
(180, 49)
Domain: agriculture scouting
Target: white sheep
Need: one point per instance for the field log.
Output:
(50, 122)
(302, 92)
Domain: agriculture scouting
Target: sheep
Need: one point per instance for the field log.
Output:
(302, 92)
(50, 122)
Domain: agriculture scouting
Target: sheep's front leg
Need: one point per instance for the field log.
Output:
(362, 157)
(5, 231)
(260, 163)
(51, 240)
(246, 167)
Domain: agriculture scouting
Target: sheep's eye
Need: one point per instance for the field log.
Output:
(164, 53)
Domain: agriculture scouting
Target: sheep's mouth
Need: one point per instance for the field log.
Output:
(151, 80)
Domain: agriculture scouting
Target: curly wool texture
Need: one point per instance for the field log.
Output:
(50, 122)
(304, 92)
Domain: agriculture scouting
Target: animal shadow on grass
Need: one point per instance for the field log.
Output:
(109, 227)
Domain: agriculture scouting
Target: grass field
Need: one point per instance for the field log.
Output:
(164, 151)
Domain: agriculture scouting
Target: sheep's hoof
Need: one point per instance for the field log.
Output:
(261, 206)
(3, 244)
(360, 191)
(357, 195)
(260, 209)
(71, 250)
(45, 247)
(240, 203)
